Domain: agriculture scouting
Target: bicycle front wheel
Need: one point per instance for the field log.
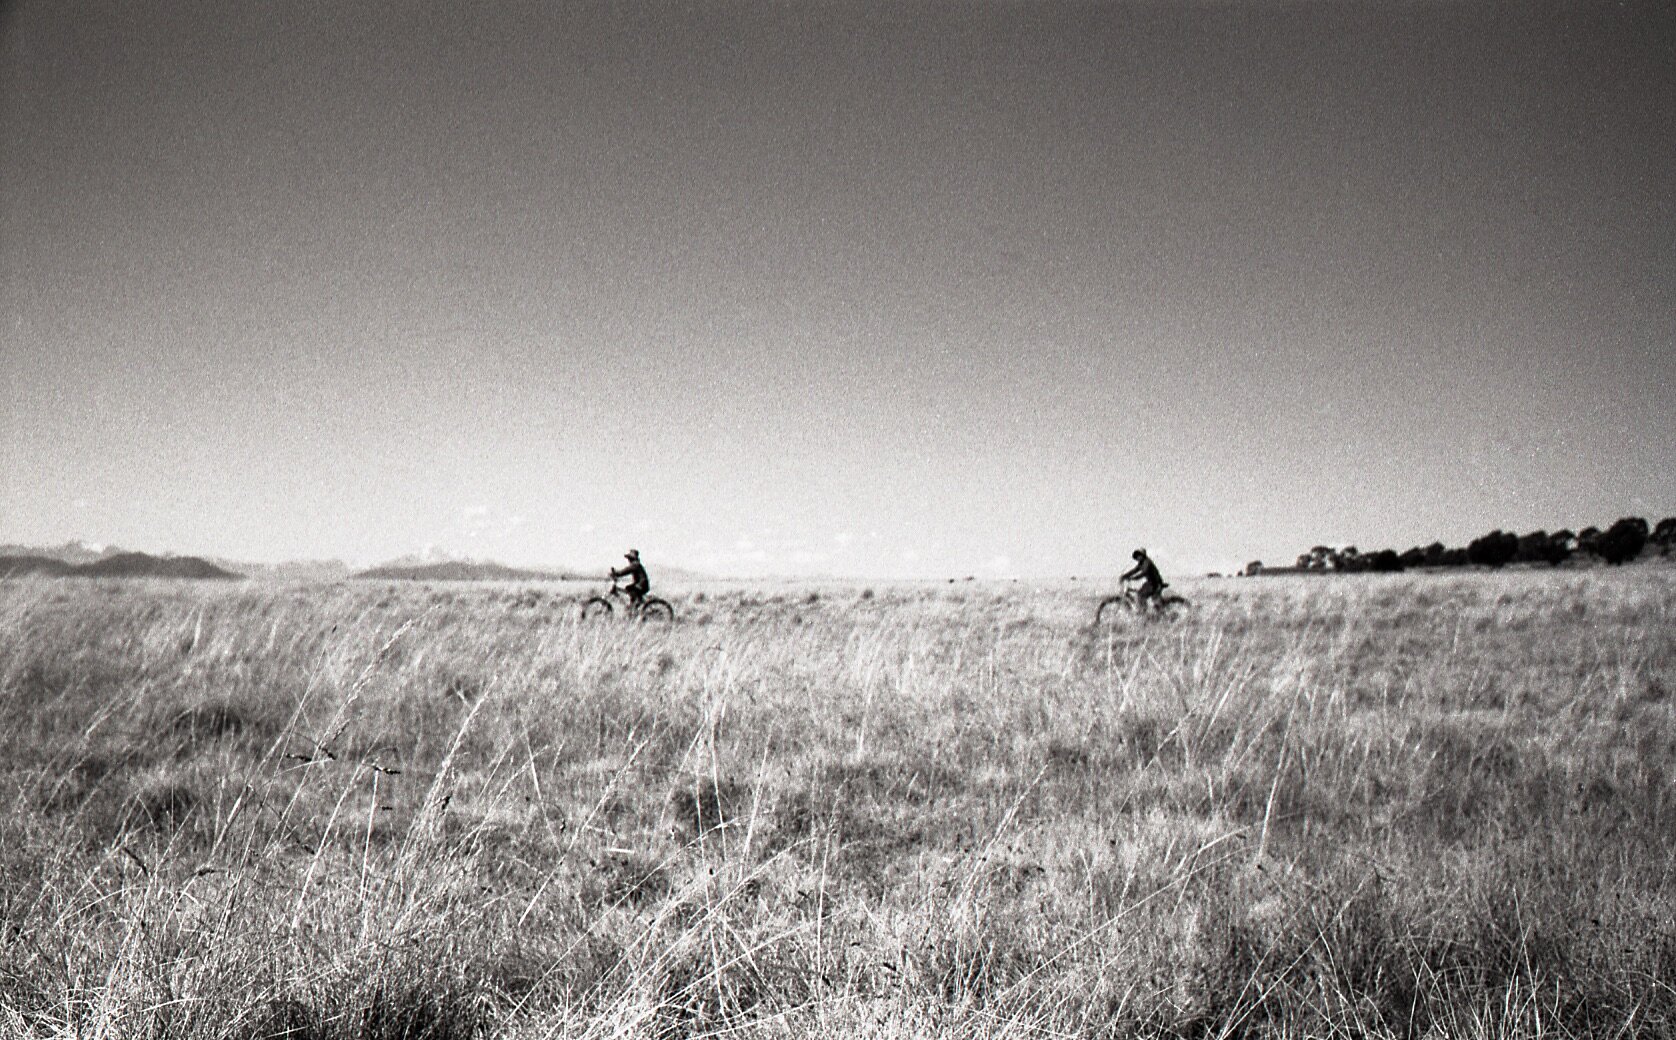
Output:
(658, 610)
(1110, 607)
(596, 608)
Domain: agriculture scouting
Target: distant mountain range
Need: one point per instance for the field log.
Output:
(114, 565)
(458, 570)
(408, 569)
(69, 552)
(81, 559)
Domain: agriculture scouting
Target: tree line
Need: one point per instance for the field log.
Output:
(1626, 539)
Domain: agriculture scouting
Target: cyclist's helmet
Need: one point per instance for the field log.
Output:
(632, 554)
(1137, 554)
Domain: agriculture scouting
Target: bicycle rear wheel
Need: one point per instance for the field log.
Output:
(657, 610)
(596, 608)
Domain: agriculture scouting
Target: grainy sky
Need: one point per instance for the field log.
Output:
(857, 288)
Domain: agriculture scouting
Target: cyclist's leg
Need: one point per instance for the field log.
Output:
(1152, 595)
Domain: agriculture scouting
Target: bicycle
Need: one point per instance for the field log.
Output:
(1130, 600)
(650, 608)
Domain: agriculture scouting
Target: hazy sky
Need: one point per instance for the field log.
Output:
(857, 288)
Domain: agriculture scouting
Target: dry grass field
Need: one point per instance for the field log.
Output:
(1408, 806)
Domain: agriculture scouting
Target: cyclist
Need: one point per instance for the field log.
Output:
(1153, 584)
(638, 584)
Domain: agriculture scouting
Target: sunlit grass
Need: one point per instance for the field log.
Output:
(1363, 806)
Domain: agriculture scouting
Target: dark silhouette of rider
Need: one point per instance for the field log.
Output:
(638, 584)
(1152, 583)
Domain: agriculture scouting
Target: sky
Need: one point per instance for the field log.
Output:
(904, 289)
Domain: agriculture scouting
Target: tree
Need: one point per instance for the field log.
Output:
(1496, 549)
(1533, 547)
(1542, 547)
(1623, 541)
(1415, 557)
(1586, 539)
(1664, 535)
(1383, 560)
(1434, 554)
